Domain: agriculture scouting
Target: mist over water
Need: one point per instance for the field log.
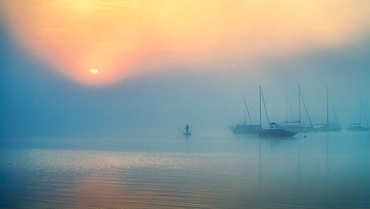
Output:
(320, 170)
(68, 144)
(38, 102)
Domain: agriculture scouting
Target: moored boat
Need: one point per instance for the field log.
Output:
(328, 126)
(358, 126)
(297, 125)
(276, 132)
(245, 128)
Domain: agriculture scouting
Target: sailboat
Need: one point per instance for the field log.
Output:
(245, 128)
(328, 126)
(358, 126)
(296, 125)
(275, 131)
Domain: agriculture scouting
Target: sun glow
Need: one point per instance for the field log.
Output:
(131, 37)
(94, 70)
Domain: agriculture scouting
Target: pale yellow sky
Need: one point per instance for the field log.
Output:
(126, 38)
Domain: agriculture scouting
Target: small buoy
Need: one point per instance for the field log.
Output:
(305, 136)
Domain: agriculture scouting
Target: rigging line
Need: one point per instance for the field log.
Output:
(260, 114)
(245, 111)
(290, 108)
(332, 107)
(246, 107)
(305, 108)
(286, 110)
(264, 105)
(363, 111)
(327, 105)
(299, 105)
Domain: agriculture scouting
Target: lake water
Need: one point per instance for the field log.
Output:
(322, 170)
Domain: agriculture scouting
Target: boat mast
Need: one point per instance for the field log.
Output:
(245, 111)
(363, 111)
(327, 106)
(360, 114)
(335, 115)
(305, 108)
(264, 105)
(260, 92)
(299, 106)
(328, 100)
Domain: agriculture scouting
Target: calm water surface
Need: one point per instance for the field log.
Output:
(322, 170)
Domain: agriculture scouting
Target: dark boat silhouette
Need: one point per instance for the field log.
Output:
(274, 131)
(358, 126)
(328, 127)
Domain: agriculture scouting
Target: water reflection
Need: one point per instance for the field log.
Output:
(318, 171)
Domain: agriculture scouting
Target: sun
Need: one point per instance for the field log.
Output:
(94, 70)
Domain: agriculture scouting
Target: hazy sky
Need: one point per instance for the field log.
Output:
(164, 63)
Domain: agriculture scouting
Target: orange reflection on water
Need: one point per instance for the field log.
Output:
(97, 192)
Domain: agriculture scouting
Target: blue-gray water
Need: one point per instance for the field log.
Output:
(322, 170)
